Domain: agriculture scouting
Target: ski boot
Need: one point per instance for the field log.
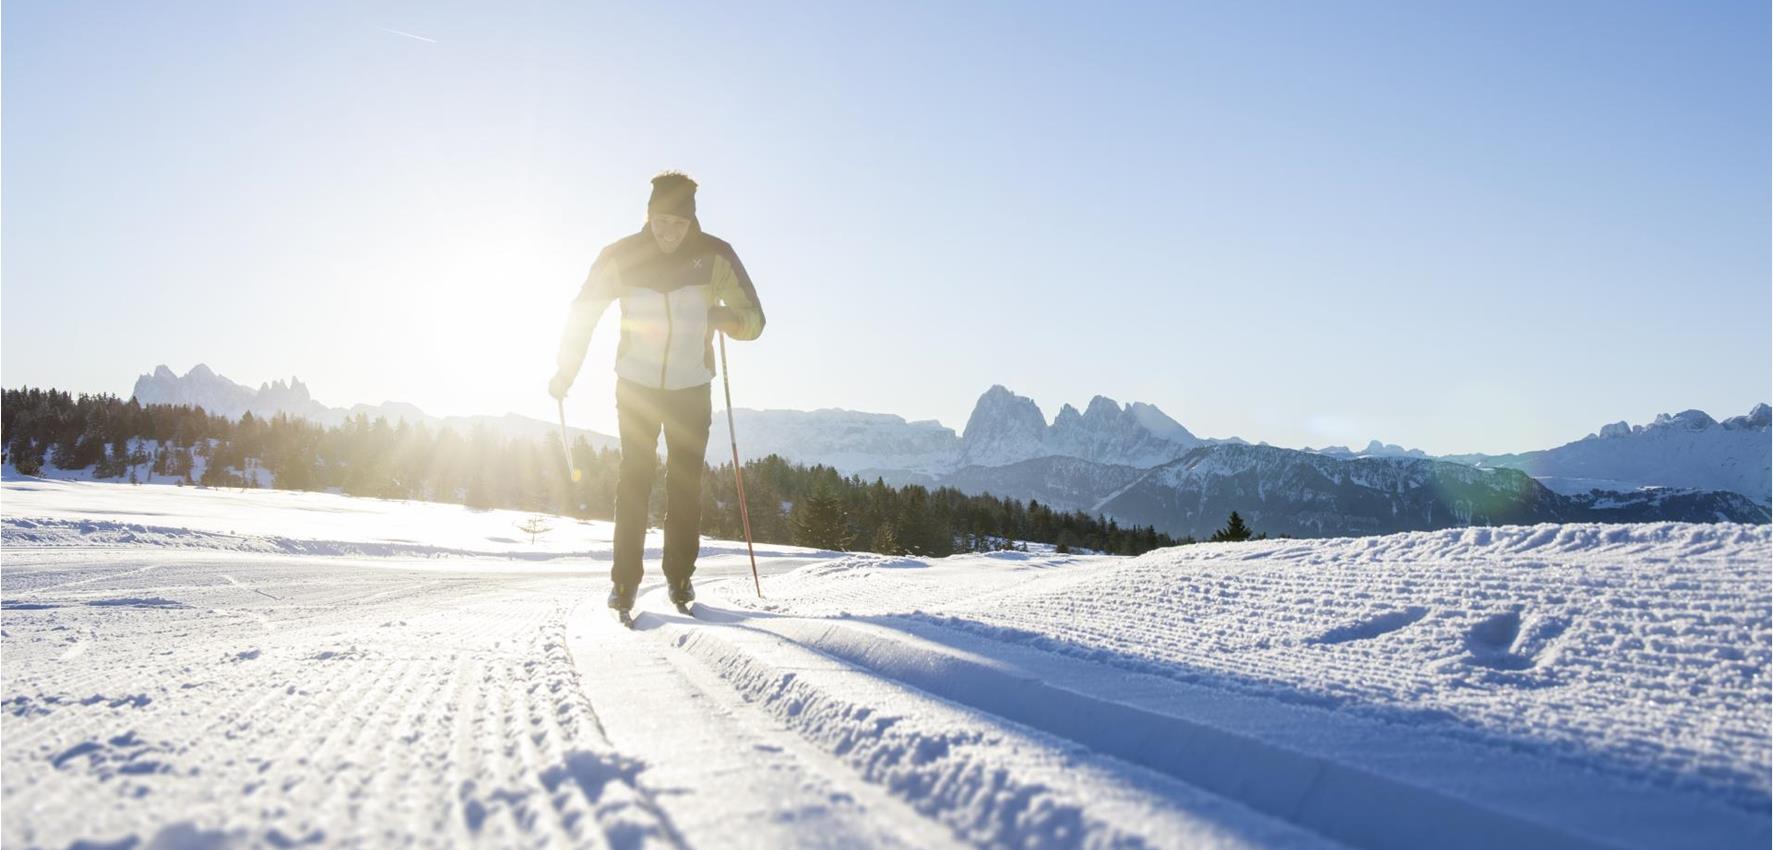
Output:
(621, 603)
(682, 595)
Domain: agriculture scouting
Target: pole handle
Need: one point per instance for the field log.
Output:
(566, 449)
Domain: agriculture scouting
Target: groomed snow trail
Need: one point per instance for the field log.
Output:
(899, 752)
(389, 709)
(211, 668)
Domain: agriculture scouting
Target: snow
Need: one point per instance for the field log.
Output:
(195, 667)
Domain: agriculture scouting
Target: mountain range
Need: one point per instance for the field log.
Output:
(1687, 449)
(1305, 494)
(202, 387)
(1136, 464)
(1004, 429)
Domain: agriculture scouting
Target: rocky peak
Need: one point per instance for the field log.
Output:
(199, 387)
(1615, 430)
(294, 392)
(1759, 416)
(1004, 428)
(1007, 428)
(1691, 420)
(1103, 409)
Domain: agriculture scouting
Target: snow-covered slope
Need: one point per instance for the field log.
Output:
(1688, 449)
(188, 667)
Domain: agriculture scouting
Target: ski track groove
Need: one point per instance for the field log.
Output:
(991, 782)
(783, 782)
(342, 759)
(729, 701)
(966, 776)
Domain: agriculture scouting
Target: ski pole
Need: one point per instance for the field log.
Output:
(738, 473)
(564, 448)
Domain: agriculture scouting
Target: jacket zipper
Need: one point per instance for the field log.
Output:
(665, 360)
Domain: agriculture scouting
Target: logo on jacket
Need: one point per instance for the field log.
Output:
(696, 263)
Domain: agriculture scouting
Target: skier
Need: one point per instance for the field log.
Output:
(678, 286)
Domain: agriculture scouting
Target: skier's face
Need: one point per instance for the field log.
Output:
(669, 230)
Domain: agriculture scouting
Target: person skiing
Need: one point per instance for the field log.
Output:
(678, 286)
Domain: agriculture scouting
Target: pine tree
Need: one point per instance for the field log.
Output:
(138, 456)
(886, 540)
(819, 521)
(26, 457)
(1233, 531)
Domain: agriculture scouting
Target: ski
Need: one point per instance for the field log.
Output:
(687, 609)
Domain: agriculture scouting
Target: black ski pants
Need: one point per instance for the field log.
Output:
(684, 414)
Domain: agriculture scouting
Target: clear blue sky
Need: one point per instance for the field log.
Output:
(1464, 227)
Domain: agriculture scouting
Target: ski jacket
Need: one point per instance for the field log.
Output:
(667, 339)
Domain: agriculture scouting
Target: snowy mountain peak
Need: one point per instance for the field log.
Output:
(1103, 408)
(277, 394)
(1158, 422)
(1000, 404)
(200, 387)
(1692, 420)
(1007, 428)
(1759, 416)
(1003, 428)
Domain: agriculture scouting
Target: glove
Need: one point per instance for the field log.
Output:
(723, 319)
(559, 384)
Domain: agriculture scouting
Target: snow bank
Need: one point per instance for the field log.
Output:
(1636, 653)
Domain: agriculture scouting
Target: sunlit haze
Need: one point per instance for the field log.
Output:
(1459, 227)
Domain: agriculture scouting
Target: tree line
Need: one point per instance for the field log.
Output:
(787, 502)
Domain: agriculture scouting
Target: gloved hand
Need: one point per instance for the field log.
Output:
(559, 384)
(721, 318)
